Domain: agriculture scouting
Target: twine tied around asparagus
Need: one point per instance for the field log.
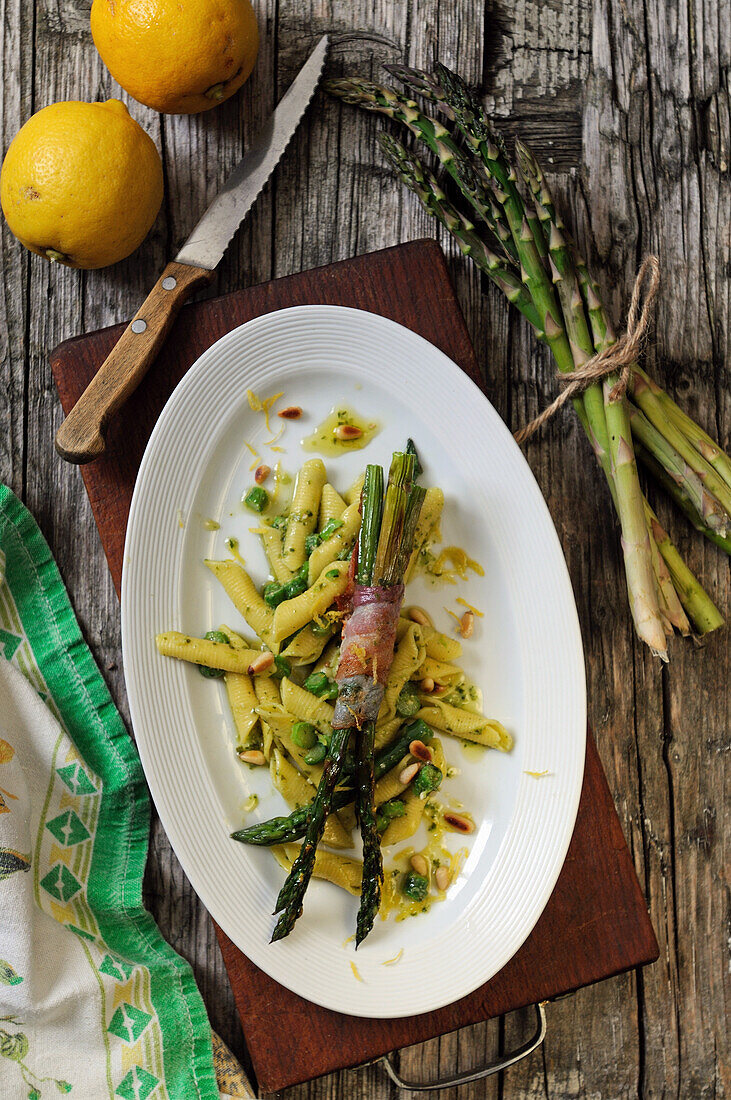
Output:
(618, 358)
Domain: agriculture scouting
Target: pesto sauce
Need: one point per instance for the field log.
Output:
(323, 440)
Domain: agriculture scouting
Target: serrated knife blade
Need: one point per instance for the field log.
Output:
(81, 436)
(212, 235)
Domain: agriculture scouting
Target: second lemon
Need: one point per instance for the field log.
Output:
(177, 56)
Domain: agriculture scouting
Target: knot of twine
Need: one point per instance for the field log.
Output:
(618, 358)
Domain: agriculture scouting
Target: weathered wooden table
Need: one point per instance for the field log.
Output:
(627, 101)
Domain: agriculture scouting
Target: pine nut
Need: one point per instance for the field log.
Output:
(442, 878)
(427, 684)
(420, 865)
(292, 412)
(460, 823)
(347, 432)
(408, 774)
(418, 616)
(261, 474)
(253, 756)
(421, 752)
(262, 663)
(467, 624)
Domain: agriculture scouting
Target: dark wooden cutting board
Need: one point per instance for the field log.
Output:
(596, 922)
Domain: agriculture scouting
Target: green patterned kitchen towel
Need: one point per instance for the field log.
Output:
(93, 1002)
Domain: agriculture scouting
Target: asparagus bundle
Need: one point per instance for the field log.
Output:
(519, 241)
(366, 652)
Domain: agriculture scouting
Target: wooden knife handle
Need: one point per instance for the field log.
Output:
(81, 436)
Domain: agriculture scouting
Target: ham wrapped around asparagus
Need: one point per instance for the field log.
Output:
(366, 653)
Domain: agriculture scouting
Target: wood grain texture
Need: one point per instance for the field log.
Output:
(81, 437)
(631, 99)
(597, 888)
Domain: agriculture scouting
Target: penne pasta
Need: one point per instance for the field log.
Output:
(293, 614)
(408, 657)
(330, 866)
(305, 647)
(243, 702)
(303, 513)
(466, 725)
(337, 544)
(271, 537)
(401, 828)
(441, 672)
(201, 651)
(332, 505)
(306, 707)
(352, 495)
(245, 597)
(297, 791)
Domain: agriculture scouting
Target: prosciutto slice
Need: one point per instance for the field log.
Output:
(366, 653)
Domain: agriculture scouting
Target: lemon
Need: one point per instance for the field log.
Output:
(177, 56)
(81, 183)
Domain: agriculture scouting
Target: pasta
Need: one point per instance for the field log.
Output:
(467, 725)
(293, 614)
(245, 597)
(280, 686)
(341, 541)
(332, 504)
(297, 791)
(243, 702)
(303, 513)
(200, 651)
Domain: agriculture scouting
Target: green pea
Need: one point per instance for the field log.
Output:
(321, 685)
(256, 499)
(408, 702)
(389, 811)
(304, 734)
(329, 529)
(222, 639)
(274, 593)
(415, 886)
(298, 584)
(317, 754)
(428, 778)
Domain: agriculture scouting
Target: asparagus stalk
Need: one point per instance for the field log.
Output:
(412, 173)
(712, 480)
(370, 897)
(702, 441)
(711, 512)
(285, 830)
(292, 893)
(679, 494)
(436, 137)
(696, 601)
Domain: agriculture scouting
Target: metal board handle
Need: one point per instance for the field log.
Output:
(476, 1075)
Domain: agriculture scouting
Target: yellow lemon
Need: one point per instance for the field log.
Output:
(177, 56)
(81, 183)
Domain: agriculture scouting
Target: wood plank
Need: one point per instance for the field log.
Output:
(565, 72)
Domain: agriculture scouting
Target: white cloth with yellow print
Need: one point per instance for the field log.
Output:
(93, 1002)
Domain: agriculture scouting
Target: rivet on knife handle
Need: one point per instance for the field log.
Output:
(81, 436)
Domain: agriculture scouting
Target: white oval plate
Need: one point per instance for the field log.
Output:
(525, 653)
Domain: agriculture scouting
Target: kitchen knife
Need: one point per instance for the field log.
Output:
(81, 436)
